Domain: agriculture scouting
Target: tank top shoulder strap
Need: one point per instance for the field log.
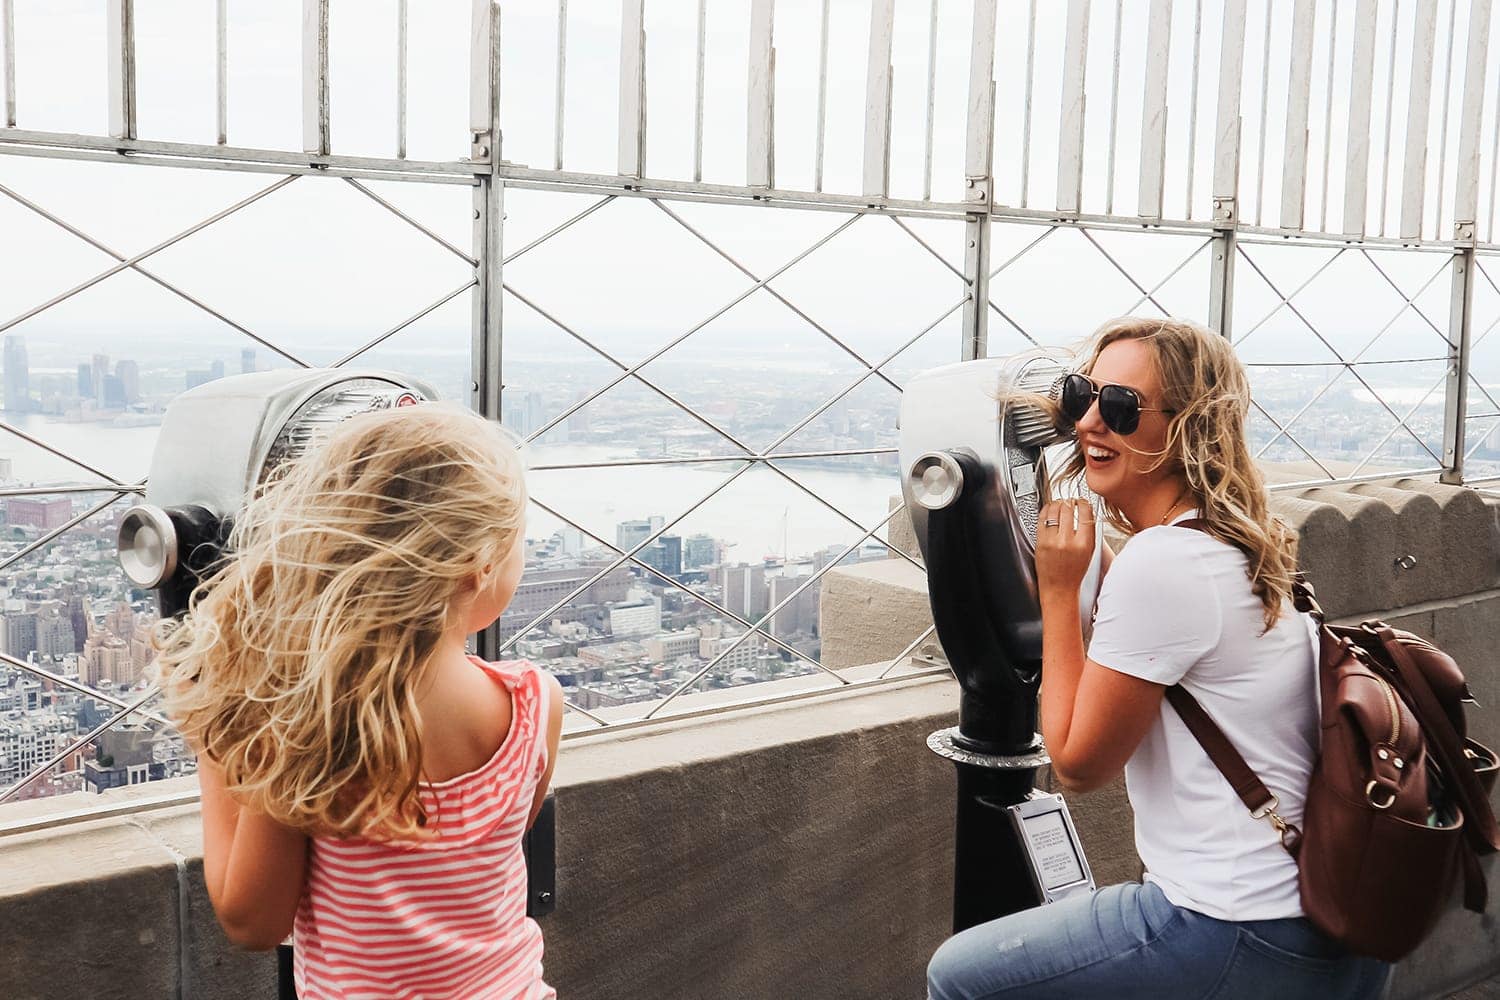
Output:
(527, 740)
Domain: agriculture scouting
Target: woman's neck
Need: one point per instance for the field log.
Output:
(1158, 504)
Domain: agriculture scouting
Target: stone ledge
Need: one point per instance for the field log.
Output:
(806, 846)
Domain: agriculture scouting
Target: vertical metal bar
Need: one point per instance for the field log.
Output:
(488, 246)
(1299, 93)
(1390, 108)
(1026, 110)
(1442, 170)
(1226, 179)
(1418, 111)
(1456, 398)
(1333, 35)
(221, 65)
(1192, 139)
(979, 150)
(401, 79)
(633, 88)
(1114, 113)
(1154, 110)
(1265, 101)
(1070, 130)
(877, 161)
(758, 146)
(560, 88)
(120, 31)
(1357, 142)
(1470, 124)
(315, 126)
(1494, 167)
(822, 99)
(931, 97)
(698, 92)
(8, 59)
(1227, 131)
(980, 135)
(1465, 211)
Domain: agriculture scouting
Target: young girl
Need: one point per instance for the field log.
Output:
(365, 782)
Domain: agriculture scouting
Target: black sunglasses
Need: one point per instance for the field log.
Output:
(1119, 405)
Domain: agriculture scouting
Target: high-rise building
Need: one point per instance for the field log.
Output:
(629, 534)
(129, 374)
(665, 554)
(20, 633)
(17, 374)
(100, 370)
(121, 621)
(106, 658)
(113, 397)
(247, 360)
(801, 612)
(54, 633)
(85, 380)
(745, 591)
(699, 551)
(216, 370)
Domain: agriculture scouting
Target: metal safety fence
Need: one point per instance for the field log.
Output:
(952, 139)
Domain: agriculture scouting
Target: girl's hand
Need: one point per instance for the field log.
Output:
(1064, 545)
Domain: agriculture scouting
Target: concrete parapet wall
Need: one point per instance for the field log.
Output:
(798, 850)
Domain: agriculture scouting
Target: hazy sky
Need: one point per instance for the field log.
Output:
(319, 263)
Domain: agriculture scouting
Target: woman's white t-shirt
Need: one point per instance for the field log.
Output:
(1176, 607)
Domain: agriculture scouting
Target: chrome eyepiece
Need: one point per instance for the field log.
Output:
(936, 480)
(148, 545)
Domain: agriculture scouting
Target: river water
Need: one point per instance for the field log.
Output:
(759, 514)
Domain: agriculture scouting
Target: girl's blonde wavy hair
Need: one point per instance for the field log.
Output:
(1205, 383)
(297, 665)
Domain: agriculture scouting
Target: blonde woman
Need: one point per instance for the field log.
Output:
(365, 782)
(1160, 408)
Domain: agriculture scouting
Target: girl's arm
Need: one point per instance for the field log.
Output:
(254, 866)
(555, 710)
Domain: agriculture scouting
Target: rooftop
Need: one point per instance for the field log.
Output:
(690, 254)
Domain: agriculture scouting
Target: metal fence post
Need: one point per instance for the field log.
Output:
(978, 171)
(1222, 252)
(1465, 234)
(1226, 179)
(1456, 395)
(489, 211)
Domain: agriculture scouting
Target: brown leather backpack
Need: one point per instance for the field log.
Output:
(1397, 808)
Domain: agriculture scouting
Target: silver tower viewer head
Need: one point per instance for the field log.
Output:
(218, 443)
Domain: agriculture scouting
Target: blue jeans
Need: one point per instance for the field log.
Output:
(1129, 941)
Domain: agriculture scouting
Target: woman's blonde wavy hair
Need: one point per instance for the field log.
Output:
(1203, 381)
(297, 665)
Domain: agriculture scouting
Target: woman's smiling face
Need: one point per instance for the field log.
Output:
(1119, 468)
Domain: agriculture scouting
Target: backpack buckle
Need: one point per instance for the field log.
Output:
(1370, 789)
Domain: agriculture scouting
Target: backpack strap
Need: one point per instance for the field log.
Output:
(1259, 799)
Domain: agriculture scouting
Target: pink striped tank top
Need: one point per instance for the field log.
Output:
(443, 919)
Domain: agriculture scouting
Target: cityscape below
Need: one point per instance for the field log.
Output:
(613, 635)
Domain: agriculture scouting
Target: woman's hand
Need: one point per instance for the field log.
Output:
(1064, 545)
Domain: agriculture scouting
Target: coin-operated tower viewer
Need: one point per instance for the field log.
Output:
(975, 454)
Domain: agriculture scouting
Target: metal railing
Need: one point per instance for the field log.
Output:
(966, 132)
